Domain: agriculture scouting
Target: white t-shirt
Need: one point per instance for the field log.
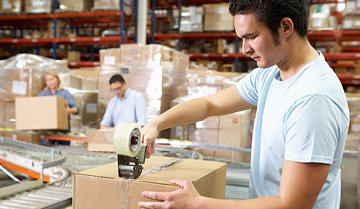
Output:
(302, 119)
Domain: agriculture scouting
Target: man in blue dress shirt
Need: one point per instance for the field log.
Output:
(127, 105)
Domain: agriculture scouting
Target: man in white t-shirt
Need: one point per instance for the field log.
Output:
(301, 122)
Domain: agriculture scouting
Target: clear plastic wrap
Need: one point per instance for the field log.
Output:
(153, 70)
(21, 75)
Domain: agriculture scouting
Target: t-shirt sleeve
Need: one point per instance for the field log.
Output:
(247, 87)
(312, 129)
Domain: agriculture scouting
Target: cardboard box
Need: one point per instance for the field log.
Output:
(113, 5)
(89, 77)
(87, 103)
(74, 56)
(110, 57)
(38, 6)
(102, 188)
(41, 113)
(79, 5)
(10, 6)
(100, 139)
(19, 83)
(30, 137)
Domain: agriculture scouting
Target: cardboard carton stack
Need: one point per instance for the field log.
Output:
(232, 130)
(218, 18)
(209, 178)
(38, 6)
(229, 130)
(192, 19)
(113, 5)
(100, 139)
(320, 17)
(153, 70)
(11, 6)
(78, 6)
(87, 103)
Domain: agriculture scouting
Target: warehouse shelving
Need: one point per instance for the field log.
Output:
(76, 21)
(338, 36)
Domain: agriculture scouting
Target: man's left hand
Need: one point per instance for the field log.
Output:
(183, 198)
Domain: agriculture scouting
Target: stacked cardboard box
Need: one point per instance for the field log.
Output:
(354, 108)
(78, 6)
(232, 130)
(87, 103)
(192, 19)
(89, 77)
(21, 75)
(320, 17)
(38, 6)
(113, 5)
(229, 130)
(100, 139)
(110, 57)
(153, 70)
(218, 18)
(209, 178)
(7, 115)
(11, 6)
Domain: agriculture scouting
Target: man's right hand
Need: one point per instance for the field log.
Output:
(149, 134)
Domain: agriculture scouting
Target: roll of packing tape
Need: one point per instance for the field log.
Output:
(127, 139)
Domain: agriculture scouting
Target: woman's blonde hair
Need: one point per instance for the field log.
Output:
(54, 74)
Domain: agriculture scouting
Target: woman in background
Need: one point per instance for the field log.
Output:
(53, 88)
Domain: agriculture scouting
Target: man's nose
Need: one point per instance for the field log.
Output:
(246, 48)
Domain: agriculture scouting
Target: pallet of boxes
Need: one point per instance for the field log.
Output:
(164, 69)
(215, 136)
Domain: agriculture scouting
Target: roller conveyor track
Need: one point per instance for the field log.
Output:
(59, 193)
(49, 196)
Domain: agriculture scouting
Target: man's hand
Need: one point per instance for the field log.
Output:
(185, 197)
(149, 134)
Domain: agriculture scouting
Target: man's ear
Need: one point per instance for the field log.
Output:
(286, 27)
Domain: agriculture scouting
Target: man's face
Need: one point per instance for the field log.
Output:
(118, 88)
(257, 40)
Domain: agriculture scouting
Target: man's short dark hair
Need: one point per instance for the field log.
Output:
(116, 78)
(271, 12)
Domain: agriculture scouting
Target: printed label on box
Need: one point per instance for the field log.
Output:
(91, 108)
(19, 87)
(109, 60)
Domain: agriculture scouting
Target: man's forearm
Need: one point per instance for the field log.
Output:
(273, 202)
(184, 113)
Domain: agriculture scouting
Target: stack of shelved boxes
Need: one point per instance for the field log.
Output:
(38, 6)
(192, 19)
(77, 6)
(218, 18)
(10, 6)
(229, 130)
